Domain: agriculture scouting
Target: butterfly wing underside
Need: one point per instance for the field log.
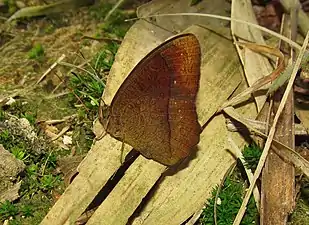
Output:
(154, 109)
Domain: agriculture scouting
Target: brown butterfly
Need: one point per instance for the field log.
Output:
(154, 109)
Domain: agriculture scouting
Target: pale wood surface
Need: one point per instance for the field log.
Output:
(94, 171)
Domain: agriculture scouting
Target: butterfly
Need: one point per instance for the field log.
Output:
(154, 110)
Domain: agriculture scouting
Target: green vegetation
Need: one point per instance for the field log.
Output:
(39, 178)
(231, 195)
(37, 52)
(11, 4)
(7, 210)
(115, 25)
(26, 212)
(89, 86)
(252, 154)
(228, 204)
(19, 152)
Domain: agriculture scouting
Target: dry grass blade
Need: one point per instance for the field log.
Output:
(262, 126)
(269, 140)
(286, 152)
(237, 152)
(262, 81)
(116, 6)
(50, 68)
(62, 132)
(302, 17)
(291, 156)
(289, 41)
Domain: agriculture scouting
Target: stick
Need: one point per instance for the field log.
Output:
(269, 140)
(50, 68)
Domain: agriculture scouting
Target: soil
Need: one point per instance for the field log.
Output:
(29, 47)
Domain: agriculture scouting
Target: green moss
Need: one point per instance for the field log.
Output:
(230, 199)
(7, 210)
(37, 52)
(300, 215)
(252, 154)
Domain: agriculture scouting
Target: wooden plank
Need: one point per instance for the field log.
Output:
(94, 171)
(129, 193)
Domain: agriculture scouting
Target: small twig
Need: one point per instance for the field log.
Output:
(113, 9)
(3, 18)
(271, 104)
(102, 39)
(57, 95)
(262, 81)
(72, 91)
(195, 216)
(66, 118)
(56, 88)
(50, 68)
(45, 164)
(269, 140)
(62, 132)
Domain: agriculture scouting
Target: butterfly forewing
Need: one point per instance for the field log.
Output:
(154, 109)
